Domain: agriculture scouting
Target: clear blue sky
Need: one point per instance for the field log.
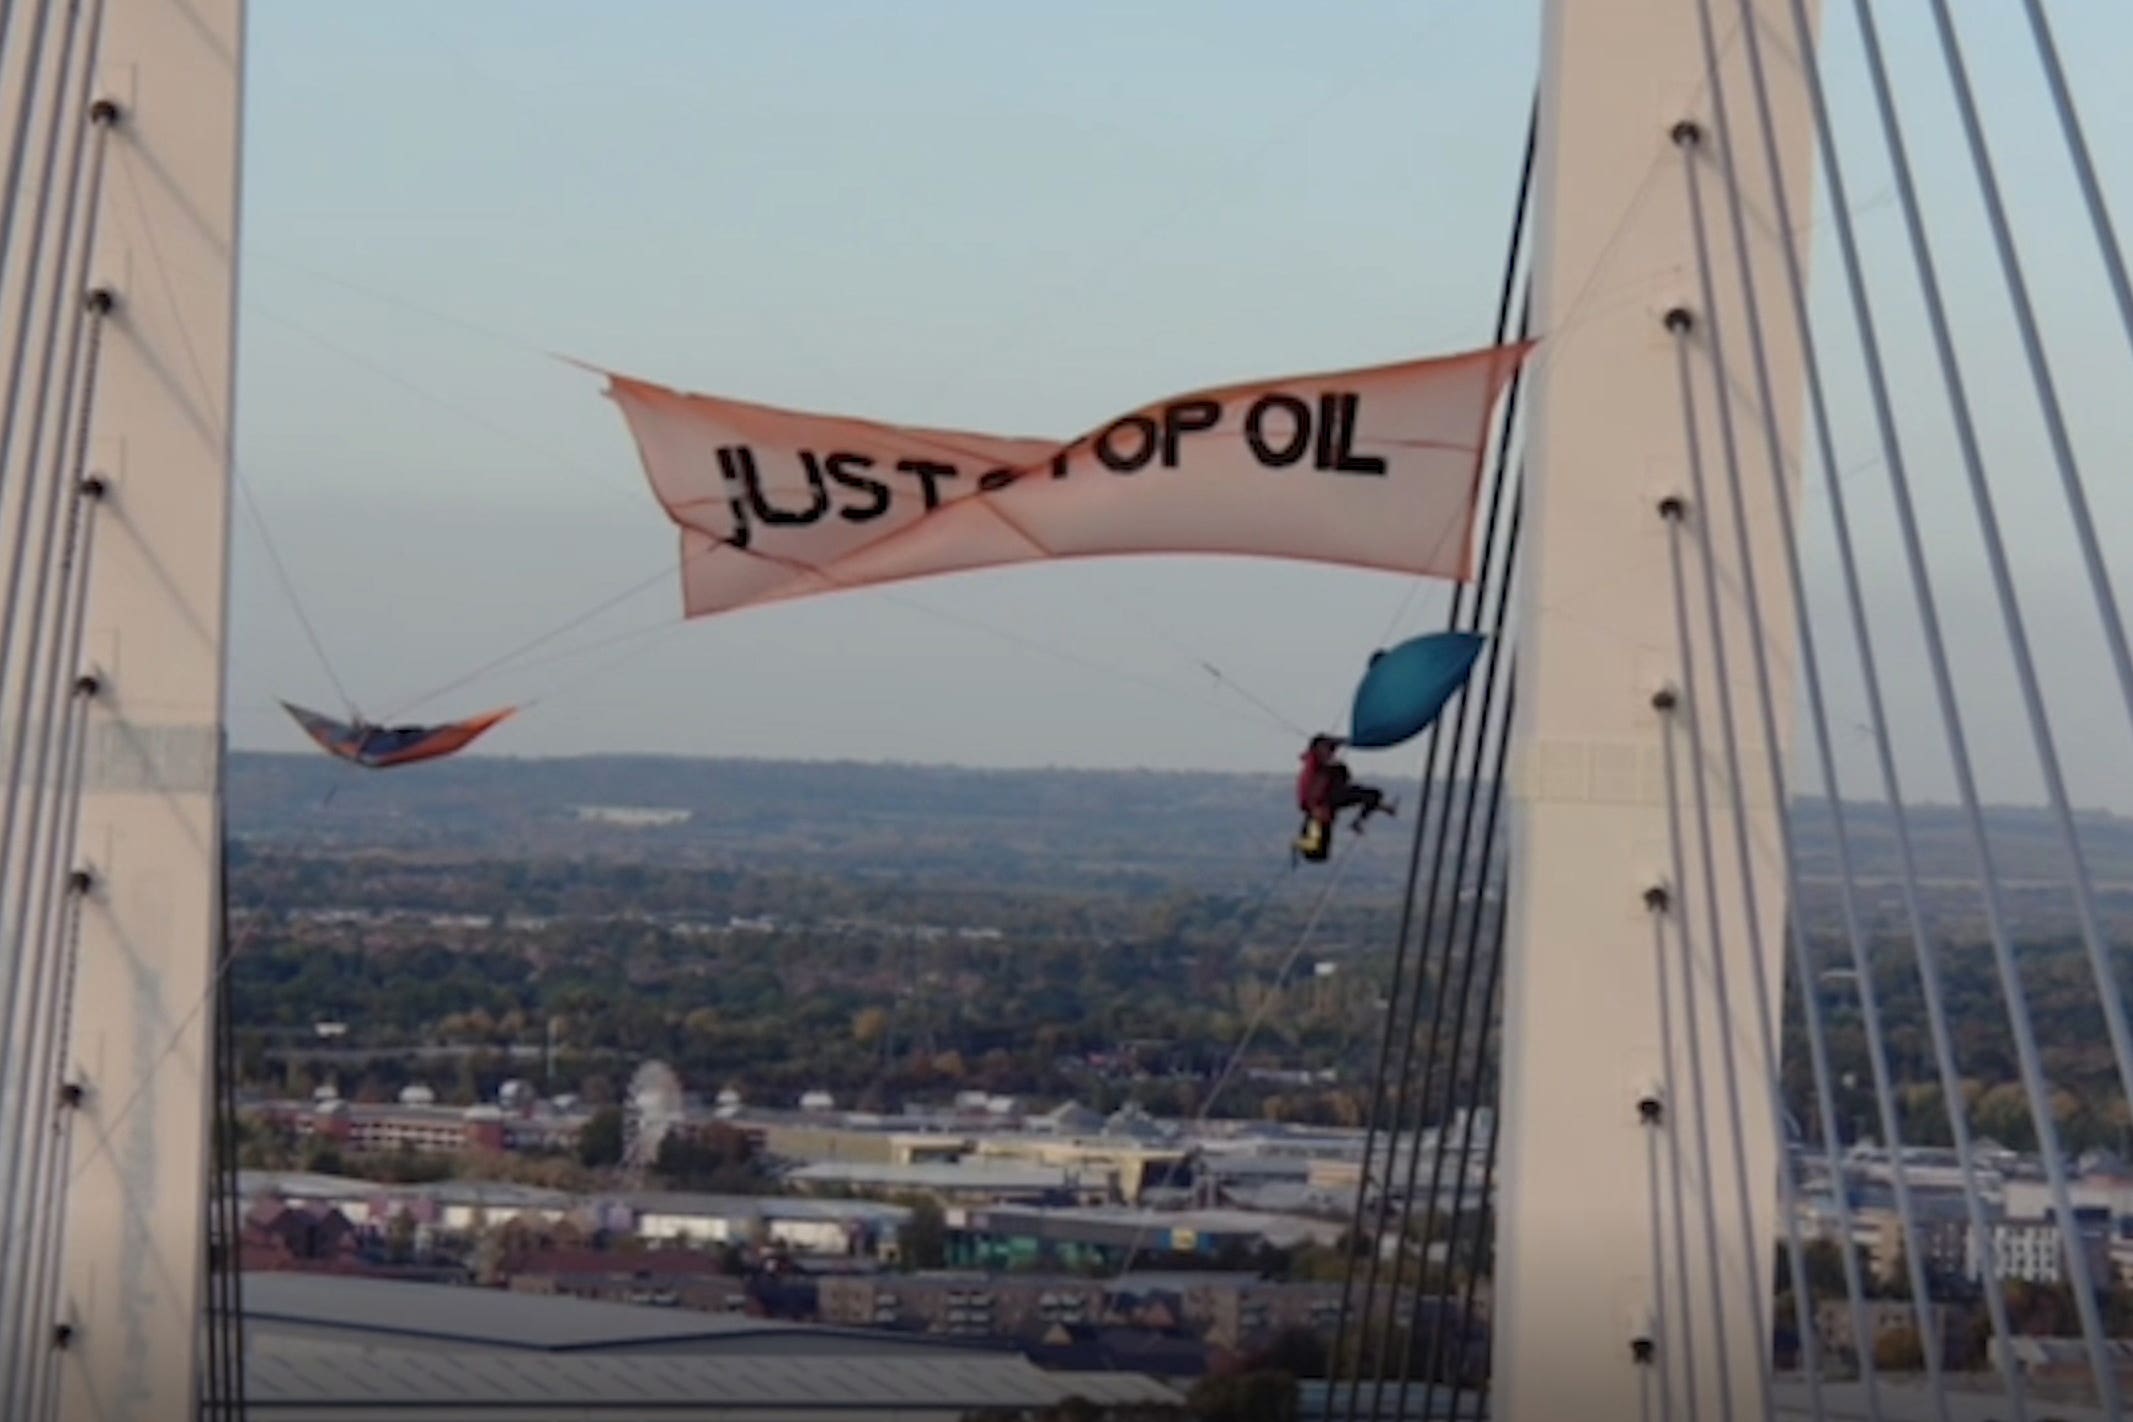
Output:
(1001, 216)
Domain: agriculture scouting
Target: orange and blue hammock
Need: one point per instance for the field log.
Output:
(383, 747)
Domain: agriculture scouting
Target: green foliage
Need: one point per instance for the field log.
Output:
(1899, 1350)
(1006, 990)
(600, 1142)
(1101, 962)
(719, 1159)
(321, 1157)
(407, 1166)
(1825, 1268)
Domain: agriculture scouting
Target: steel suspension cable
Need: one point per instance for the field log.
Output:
(1426, 934)
(1441, 996)
(26, 319)
(1721, 677)
(57, 481)
(1925, 952)
(36, 1084)
(1805, 967)
(1472, 959)
(7, 21)
(1665, 1116)
(2034, 1084)
(1465, 775)
(1426, 782)
(36, 697)
(29, 1283)
(62, 911)
(17, 150)
(2077, 148)
(1690, 140)
(1484, 1227)
(1667, 702)
(2108, 988)
(225, 1308)
(35, 1308)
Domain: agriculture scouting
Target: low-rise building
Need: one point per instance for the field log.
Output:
(950, 1182)
(1015, 1237)
(1126, 1168)
(796, 1137)
(670, 1278)
(313, 1236)
(962, 1305)
(2033, 1250)
(862, 1228)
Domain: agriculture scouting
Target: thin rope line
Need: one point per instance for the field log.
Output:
(890, 595)
(202, 388)
(1521, 206)
(543, 638)
(102, 1145)
(2108, 987)
(1925, 951)
(2011, 982)
(545, 453)
(1251, 1029)
(1224, 680)
(288, 591)
(1073, 658)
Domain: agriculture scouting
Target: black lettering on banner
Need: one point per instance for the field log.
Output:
(1348, 409)
(929, 473)
(1184, 418)
(1118, 463)
(818, 497)
(993, 479)
(1322, 456)
(1298, 433)
(841, 466)
(735, 501)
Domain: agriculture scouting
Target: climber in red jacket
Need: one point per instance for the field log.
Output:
(1323, 789)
